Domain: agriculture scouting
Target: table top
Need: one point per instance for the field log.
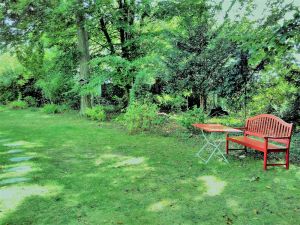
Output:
(216, 128)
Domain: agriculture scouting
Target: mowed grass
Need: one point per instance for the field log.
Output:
(63, 169)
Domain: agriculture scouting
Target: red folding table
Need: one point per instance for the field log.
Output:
(207, 132)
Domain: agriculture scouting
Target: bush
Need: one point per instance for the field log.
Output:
(111, 109)
(31, 101)
(232, 121)
(2, 108)
(170, 103)
(141, 117)
(195, 115)
(54, 109)
(18, 105)
(96, 113)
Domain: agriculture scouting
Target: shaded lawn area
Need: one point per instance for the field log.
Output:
(67, 170)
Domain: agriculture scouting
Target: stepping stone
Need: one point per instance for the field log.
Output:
(15, 151)
(20, 159)
(19, 169)
(16, 144)
(13, 180)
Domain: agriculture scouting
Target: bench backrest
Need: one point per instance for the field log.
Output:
(269, 125)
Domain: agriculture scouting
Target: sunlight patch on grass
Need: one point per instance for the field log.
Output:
(130, 162)
(161, 205)
(213, 185)
(99, 161)
(29, 115)
(107, 147)
(276, 180)
(127, 163)
(107, 157)
(234, 206)
(11, 197)
(45, 116)
(24, 144)
(116, 161)
(68, 144)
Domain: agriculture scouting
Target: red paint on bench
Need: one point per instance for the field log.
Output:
(265, 128)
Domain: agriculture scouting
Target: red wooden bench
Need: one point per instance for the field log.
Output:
(265, 133)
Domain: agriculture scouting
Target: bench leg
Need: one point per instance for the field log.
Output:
(227, 145)
(265, 159)
(287, 159)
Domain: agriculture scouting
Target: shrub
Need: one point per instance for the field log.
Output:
(141, 117)
(31, 101)
(2, 108)
(195, 115)
(110, 109)
(169, 102)
(96, 113)
(233, 120)
(54, 109)
(18, 105)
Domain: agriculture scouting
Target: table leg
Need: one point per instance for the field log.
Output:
(214, 144)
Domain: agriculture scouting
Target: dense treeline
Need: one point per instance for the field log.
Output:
(172, 55)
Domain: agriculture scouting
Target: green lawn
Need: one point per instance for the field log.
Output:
(67, 170)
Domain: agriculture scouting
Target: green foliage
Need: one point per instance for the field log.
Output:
(54, 109)
(2, 108)
(172, 102)
(195, 115)
(18, 105)
(152, 51)
(96, 113)
(141, 117)
(275, 96)
(54, 86)
(232, 121)
(111, 109)
(11, 79)
(31, 101)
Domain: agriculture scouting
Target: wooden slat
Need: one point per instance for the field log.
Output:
(272, 129)
(267, 125)
(253, 143)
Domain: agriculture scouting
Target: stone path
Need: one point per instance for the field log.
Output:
(14, 173)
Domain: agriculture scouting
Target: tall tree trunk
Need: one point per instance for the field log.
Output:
(83, 47)
(244, 70)
(126, 20)
(123, 22)
(103, 28)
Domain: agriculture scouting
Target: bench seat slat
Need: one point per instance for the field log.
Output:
(254, 143)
